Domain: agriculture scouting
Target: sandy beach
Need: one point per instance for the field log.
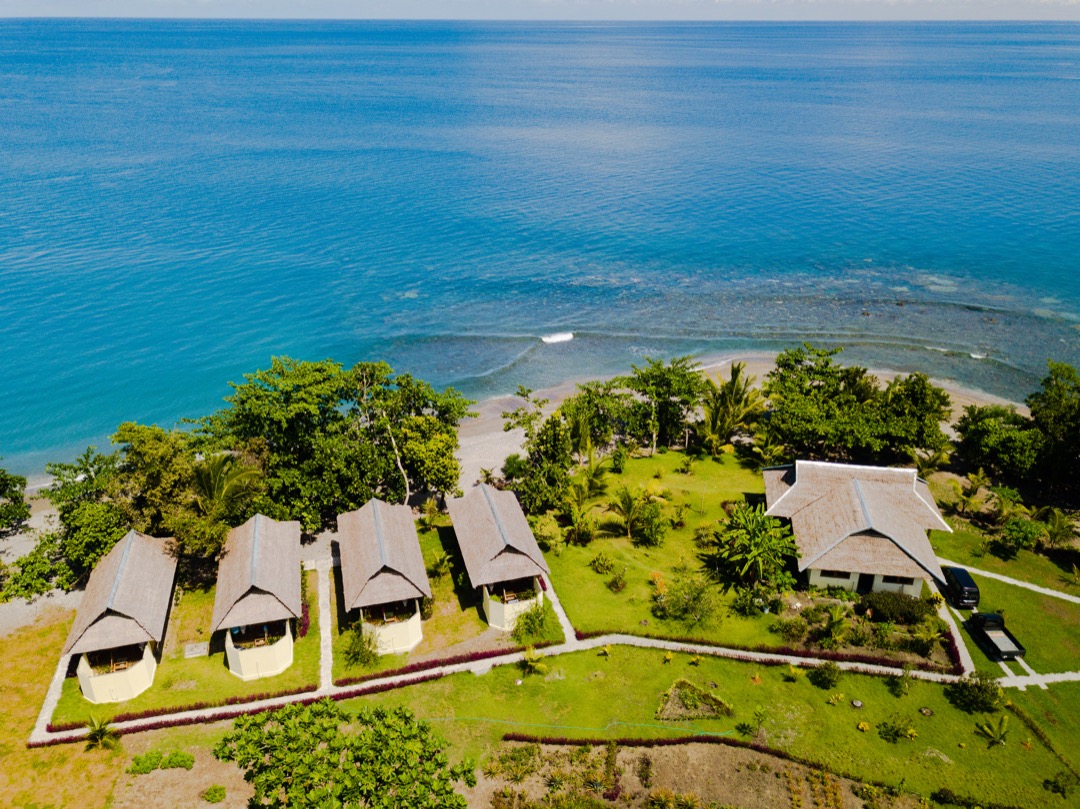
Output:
(484, 445)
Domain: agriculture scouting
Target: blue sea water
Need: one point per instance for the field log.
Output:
(181, 200)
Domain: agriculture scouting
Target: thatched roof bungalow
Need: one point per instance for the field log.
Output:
(258, 594)
(858, 527)
(122, 618)
(500, 552)
(383, 574)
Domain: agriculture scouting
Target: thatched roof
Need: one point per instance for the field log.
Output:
(259, 574)
(862, 519)
(127, 596)
(494, 536)
(381, 560)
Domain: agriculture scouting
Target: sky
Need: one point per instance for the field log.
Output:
(557, 9)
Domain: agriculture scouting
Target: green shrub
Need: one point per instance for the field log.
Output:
(178, 760)
(427, 608)
(1063, 783)
(826, 676)
(977, 693)
(619, 458)
(896, 608)
(530, 625)
(361, 649)
(791, 630)
(147, 762)
(602, 563)
(214, 794)
(896, 728)
(617, 583)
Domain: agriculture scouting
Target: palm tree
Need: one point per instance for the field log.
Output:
(1059, 527)
(440, 565)
(532, 662)
(966, 500)
(927, 461)
(429, 514)
(221, 483)
(995, 735)
(582, 527)
(101, 735)
(1007, 504)
(629, 507)
(729, 407)
(836, 627)
(767, 449)
(977, 481)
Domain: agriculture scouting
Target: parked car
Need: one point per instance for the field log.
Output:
(988, 630)
(961, 589)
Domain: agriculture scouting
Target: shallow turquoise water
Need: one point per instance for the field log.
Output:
(181, 200)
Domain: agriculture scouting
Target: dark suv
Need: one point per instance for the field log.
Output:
(962, 590)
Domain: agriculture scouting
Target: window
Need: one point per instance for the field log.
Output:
(897, 580)
(834, 574)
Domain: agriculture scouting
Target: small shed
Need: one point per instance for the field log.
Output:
(500, 552)
(383, 574)
(121, 620)
(258, 596)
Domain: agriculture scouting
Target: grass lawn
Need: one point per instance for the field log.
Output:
(1057, 712)
(50, 776)
(588, 695)
(1048, 627)
(965, 547)
(457, 615)
(591, 606)
(179, 682)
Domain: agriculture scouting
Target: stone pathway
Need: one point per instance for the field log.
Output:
(1046, 591)
(326, 644)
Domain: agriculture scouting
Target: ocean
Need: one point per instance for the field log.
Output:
(180, 201)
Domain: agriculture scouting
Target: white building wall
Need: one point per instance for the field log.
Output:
(817, 580)
(398, 637)
(504, 616)
(117, 686)
(260, 661)
(914, 589)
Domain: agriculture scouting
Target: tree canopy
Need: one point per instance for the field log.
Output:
(14, 509)
(319, 755)
(825, 411)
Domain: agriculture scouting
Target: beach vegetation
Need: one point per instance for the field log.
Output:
(825, 411)
(14, 510)
(541, 480)
(667, 394)
(730, 407)
(319, 753)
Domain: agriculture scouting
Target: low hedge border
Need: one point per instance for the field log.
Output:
(224, 715)
(453, 660)
(1040, 734)
(837, 657)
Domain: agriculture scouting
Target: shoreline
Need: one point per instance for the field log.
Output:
(484, 445)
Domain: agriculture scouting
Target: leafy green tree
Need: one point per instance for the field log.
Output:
(1000, 440)
(729, 407)
(752, 547)
(823, 410)
(154, 476)
(87, 479)
(301, 756)
(14, 510)
(669, 393)
(91, 531)
(1055, 412)
(1018, 534)
(597, 414)
(541, 483)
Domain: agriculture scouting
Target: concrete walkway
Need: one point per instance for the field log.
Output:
(1046, 591)
(326, 644)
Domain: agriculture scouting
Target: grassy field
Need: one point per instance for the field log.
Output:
(586, 695)
(591, 606)
(180, 682)
(966, 547)
(1048, 627)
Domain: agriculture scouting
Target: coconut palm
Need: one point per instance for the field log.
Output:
(1059, 527)
(629, 508)
(966, 499)
(222, 483)
(836, 627)
(729, 407)
(1007, 504)
(101, 735)
(767, 450)
(928, 461)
